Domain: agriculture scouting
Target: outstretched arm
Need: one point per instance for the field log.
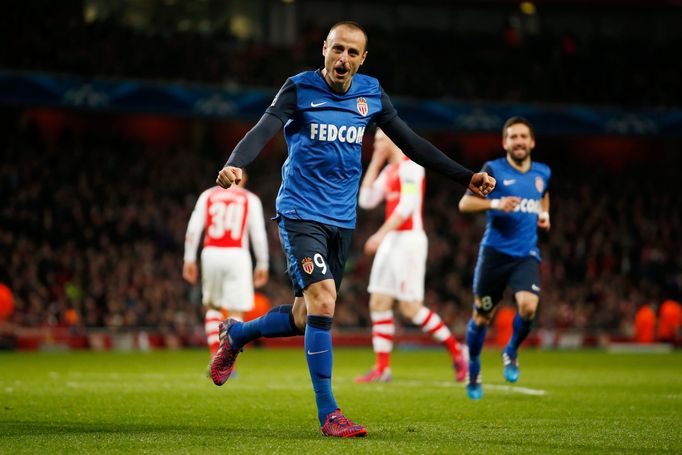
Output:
(423, 152)
(281, 109)
(248, 149)
(470, 203)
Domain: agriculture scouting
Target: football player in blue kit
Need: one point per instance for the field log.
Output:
(508, 254)
(324, 114)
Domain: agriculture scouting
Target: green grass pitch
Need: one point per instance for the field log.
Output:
(162, 402)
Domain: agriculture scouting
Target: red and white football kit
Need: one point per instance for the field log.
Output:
(399, 266)
(228, 218)
(400, 263)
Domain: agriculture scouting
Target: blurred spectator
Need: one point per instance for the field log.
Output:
(261, 305)
(669, 321)
(92, 231)
(6, 302)
(645, 324)
(504, 319)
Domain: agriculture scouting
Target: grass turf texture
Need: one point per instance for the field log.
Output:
(83, 402)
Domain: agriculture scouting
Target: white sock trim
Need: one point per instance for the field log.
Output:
(211, 327)
(421, 316)
(213, 314)
(380, 315)
(442, 334)
(382, 344)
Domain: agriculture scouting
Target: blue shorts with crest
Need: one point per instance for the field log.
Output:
(314, 251)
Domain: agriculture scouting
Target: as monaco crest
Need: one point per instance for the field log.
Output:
(307, 265)
(539, 184)
(362, 106)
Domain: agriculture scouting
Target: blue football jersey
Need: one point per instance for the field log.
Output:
(324, 131)
(515, 233)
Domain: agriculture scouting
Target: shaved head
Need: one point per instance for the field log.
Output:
(349, 24)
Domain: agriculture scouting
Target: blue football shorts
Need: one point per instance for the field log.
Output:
(495, 270)
(314, 251)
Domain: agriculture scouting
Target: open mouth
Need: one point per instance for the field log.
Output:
(340, 71)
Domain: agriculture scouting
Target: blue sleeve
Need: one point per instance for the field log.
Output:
(276, 115)
(387, 112)
(284, 104)
(253, 142)
(423, 152)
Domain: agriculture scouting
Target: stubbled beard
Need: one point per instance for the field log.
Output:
(519, 161)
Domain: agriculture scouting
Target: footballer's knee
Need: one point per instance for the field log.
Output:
(320, 298)
(481, 317)
(527, 303)
(410, 308)
(527, 313)
(380, 302)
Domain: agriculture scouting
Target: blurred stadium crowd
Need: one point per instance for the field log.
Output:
(526, 61)
(92, 226)
(103, 223)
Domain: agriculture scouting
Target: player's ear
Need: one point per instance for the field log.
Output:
(364, 56)
(324, 48)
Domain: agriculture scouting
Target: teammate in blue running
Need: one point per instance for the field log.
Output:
(324, 114)
(508, 254)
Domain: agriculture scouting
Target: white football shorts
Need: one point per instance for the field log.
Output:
(400, 265)
(227, 278)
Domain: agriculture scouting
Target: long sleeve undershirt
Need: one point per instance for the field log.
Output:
(414, 146)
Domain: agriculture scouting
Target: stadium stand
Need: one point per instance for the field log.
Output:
(93, 228)
(92, 222)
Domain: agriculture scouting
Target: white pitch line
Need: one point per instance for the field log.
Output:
(296, 385)
(448, 384)
(515, 389)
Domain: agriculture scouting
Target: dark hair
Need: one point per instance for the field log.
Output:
(514, 121)
(351, 24)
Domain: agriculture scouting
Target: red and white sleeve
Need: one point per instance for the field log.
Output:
(257, 234)
(196, 225)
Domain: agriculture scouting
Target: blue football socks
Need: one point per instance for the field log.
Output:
(521, 330)
(318, 350)
(475, 339)
(276, 323)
